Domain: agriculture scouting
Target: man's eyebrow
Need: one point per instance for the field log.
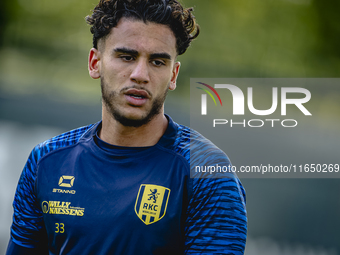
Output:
(126, 50)
(160, 55)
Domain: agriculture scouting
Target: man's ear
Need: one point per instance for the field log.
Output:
(94, 61)
(175, 71)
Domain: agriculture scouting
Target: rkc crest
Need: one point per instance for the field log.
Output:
(151, 203)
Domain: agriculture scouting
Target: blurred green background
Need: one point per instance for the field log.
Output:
(44, 43)
(44, 82)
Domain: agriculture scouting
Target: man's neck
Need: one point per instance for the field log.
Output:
(149, 134)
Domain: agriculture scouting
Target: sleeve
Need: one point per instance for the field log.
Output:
(217, 220)
(27, 230)
(14, 249)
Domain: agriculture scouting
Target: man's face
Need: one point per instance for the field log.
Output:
(136, 64)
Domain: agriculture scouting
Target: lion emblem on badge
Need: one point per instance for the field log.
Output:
(153, 195)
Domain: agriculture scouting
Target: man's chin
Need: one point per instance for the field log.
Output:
(135, 116)
(133, 120)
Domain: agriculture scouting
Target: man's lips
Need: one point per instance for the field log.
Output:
(136, 97)
(138, 93)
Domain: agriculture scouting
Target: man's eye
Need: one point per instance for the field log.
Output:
(158, 63)
(127, 58)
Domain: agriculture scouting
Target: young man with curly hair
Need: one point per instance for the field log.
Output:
(122, 185)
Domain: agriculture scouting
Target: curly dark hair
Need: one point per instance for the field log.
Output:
(168, 12)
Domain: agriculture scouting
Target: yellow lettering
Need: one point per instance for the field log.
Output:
(62, 229)
(80, 212)
(57, 207)
(52, 204)
(59, 228)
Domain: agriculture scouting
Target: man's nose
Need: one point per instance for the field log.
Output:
(140, 72)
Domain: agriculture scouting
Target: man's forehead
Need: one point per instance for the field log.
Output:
(126, 23)
(141, 36)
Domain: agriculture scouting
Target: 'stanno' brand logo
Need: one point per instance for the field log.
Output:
(65, 181)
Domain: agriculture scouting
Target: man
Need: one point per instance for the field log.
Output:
(123, 186)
